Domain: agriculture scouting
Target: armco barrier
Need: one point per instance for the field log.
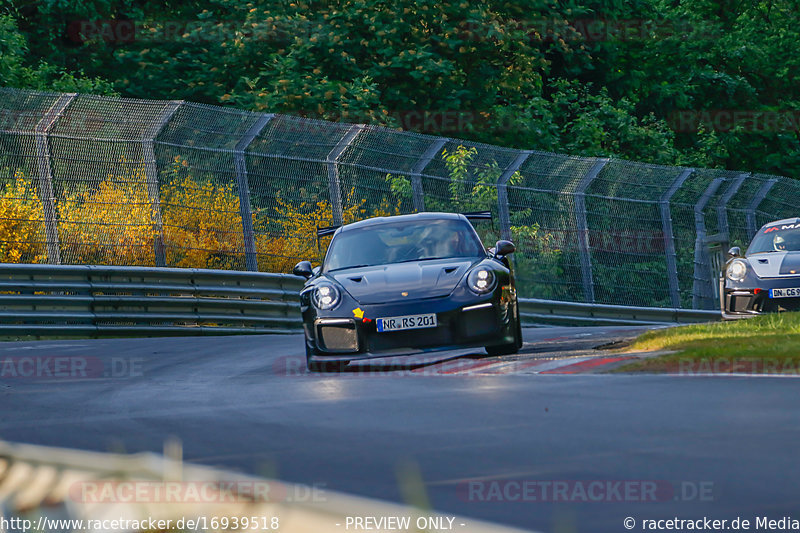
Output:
(116, 301)
(112, 300)
(548, 312)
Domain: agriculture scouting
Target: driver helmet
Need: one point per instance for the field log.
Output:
(779, 243)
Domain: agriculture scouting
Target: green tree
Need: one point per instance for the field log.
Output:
(16, 70)
(588, 78)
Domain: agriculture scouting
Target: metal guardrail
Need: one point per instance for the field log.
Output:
(549, 312)
(118, 301)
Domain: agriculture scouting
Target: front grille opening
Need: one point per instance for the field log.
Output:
(338, 337)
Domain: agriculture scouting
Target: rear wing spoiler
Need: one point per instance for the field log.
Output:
(478, 215)
(330, 230)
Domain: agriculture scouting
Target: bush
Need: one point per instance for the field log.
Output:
(202, 221)
(110, 223)
(21, 222)
(291, 234)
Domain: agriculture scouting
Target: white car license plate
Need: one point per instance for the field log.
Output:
(784, 293)
(398, 323)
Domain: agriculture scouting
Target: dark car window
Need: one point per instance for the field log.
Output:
(775, 239)
(402, 241)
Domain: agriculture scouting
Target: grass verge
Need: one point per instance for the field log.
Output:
(767, 344)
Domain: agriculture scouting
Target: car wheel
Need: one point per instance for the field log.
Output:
(323, 366)
(512, 347)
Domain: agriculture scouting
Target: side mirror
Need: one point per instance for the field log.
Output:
(503, 248)
(734, 252)
(303, 268)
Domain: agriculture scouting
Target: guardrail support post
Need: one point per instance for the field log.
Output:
(722, 205)
(46, 195)
(583, 228)
(333, 171)
(245, 209)
(502, 194)
(151, 173)
(754, 203)
(702, 289)
(669, 236)
(418, 196)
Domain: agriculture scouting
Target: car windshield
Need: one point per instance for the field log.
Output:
(776, 239)
(399, 242)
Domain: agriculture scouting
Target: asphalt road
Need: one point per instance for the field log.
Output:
(487, 446)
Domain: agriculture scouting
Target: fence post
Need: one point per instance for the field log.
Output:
(754, 203)
(334, 183)
(722, 205)
(669, 236)
(583, 229)
(245, 209)
(418, 196)
(46, 195)
(700, 288)
(151, 173)
(502, 194)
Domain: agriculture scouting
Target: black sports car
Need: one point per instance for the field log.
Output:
(767, 277)
(407, 285)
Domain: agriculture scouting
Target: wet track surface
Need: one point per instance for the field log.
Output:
(477, 428)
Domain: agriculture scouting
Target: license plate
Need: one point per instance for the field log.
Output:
(784, 293)
(398, 323)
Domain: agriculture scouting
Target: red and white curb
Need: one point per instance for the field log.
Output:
(568, 365)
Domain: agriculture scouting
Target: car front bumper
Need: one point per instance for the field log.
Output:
(750, 299)
(481, 323)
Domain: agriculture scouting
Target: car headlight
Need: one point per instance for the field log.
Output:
(326, 296)
(481, 280)
(736, 270)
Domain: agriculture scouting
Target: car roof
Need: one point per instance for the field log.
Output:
(795, 220)
(402, 218)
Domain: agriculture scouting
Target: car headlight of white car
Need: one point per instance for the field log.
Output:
(737, 270)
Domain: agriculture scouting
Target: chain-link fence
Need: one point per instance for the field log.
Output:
(96, 180)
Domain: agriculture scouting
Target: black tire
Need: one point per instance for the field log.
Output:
(512, 347)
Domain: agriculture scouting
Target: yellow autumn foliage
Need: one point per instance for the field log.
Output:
(295, 235)
(21, 222)
(202, 224)
(110, 223)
